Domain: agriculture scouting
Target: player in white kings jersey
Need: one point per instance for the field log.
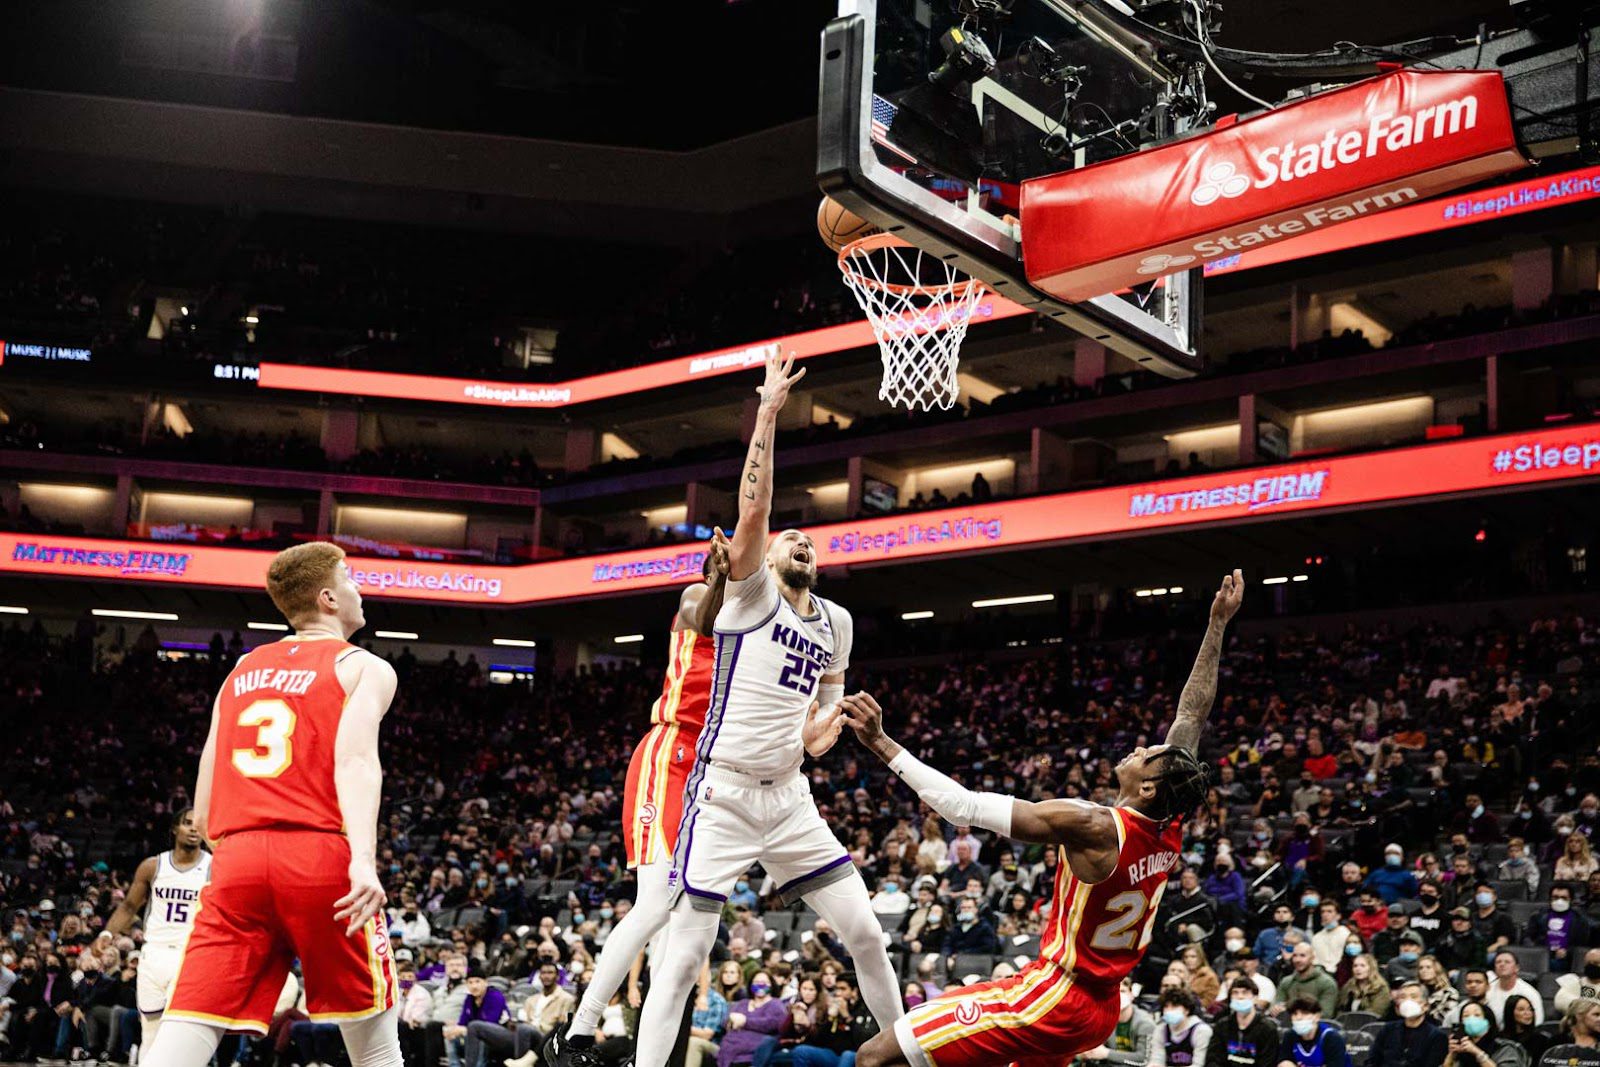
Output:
(781, 655)
(167, 889)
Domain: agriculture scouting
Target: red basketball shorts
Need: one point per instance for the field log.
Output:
(270, 901)
(1039, 1017)
(652, 800)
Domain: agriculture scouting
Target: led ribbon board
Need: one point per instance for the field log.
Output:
(1416, 473)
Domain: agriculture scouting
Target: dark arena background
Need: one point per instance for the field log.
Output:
(482, 294)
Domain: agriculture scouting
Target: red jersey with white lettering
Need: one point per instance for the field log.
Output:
(278, 719)
(1099, 932)
(652, 802)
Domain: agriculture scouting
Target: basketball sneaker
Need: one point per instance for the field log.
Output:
(559, 1052)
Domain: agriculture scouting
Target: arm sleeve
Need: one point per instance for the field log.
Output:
(748, 602)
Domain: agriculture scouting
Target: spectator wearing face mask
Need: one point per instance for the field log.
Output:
(1413, 1040)
(1129, 1043)
(1430, 919)
(1182, 1037)
(1477, 822)
(751, 1021)
(1242, 1036)
(890, 899)
(743, 895)
(1461, 946)
(1585, 983)
(1392, 881)
(412, 926)
(1312, 1041)
(1563, 931)
(1270, 948)
(1403, 967)
(1301, 852)
(972, 933)
(1489, 921)
(1517, 867)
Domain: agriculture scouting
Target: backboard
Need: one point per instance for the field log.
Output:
(914, 136)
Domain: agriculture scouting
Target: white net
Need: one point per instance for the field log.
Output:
(919, 307)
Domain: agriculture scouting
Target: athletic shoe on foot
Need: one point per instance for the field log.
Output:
(559, 1051)
(527, 1059)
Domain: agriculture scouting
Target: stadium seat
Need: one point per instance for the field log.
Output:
(1374, 1029)
(1533, 959)
(971, 963)
(1548, 984)
(1355, 1020)
(1566, 1056)
(1517, 889)
(781, 921)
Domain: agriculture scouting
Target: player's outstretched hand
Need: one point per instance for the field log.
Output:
(1229, 596)
(775, 390)
(864, 716)
(364, 900)
(821, 729)
(719, 552)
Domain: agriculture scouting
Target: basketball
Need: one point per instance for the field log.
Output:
(838, 226)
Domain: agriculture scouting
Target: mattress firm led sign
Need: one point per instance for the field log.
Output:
(48, 353)
(1418, 473)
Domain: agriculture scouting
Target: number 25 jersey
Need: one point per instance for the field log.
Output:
(1100, 931)
(278, 718)
(770, 661)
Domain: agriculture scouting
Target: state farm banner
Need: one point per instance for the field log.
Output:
(1346, 154)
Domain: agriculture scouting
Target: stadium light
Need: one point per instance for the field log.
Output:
(1007, 601)
(1274, 581)
(276, 626)
(1159, 592)
(251, 320)
(1143, 592)
(515, 642)
(395, 635)
(4, 610)
(912, 616)
(1302, 578)
(628, 639)
(113, 613)
(1175, 590)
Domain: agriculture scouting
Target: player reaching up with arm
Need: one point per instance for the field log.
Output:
(1115, 860)
(781, 656)
(652, 806)
(289, 789)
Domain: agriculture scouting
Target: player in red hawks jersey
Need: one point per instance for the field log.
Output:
(652, 800)
(1113, 871)
(288, 791)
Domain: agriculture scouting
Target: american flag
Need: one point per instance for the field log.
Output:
(883, 113)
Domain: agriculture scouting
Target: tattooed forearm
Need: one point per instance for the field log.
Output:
(1194, 704)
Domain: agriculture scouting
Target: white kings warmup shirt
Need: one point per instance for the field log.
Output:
(770, 662)
(174, 899)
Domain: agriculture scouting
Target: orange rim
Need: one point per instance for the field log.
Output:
(875, 242)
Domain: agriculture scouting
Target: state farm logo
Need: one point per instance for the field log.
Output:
(1312, 152)
(1222, 181)
(1162, 263)
(966, 1013)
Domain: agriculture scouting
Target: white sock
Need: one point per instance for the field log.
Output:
(182, 1043)
(690, 935)
(373, 1042)
(628, 939)
(845, 904)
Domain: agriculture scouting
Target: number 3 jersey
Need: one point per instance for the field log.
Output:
(278, 717)
(769, 664)
(1100, 931)
(174, 898)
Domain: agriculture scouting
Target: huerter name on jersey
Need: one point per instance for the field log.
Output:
(289, 683)
(1155, 863)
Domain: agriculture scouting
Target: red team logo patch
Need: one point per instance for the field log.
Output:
(966, 1013)
(647, 814)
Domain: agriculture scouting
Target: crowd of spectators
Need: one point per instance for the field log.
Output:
(1392, 806)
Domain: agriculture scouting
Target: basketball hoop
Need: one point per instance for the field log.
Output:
(919, 307)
